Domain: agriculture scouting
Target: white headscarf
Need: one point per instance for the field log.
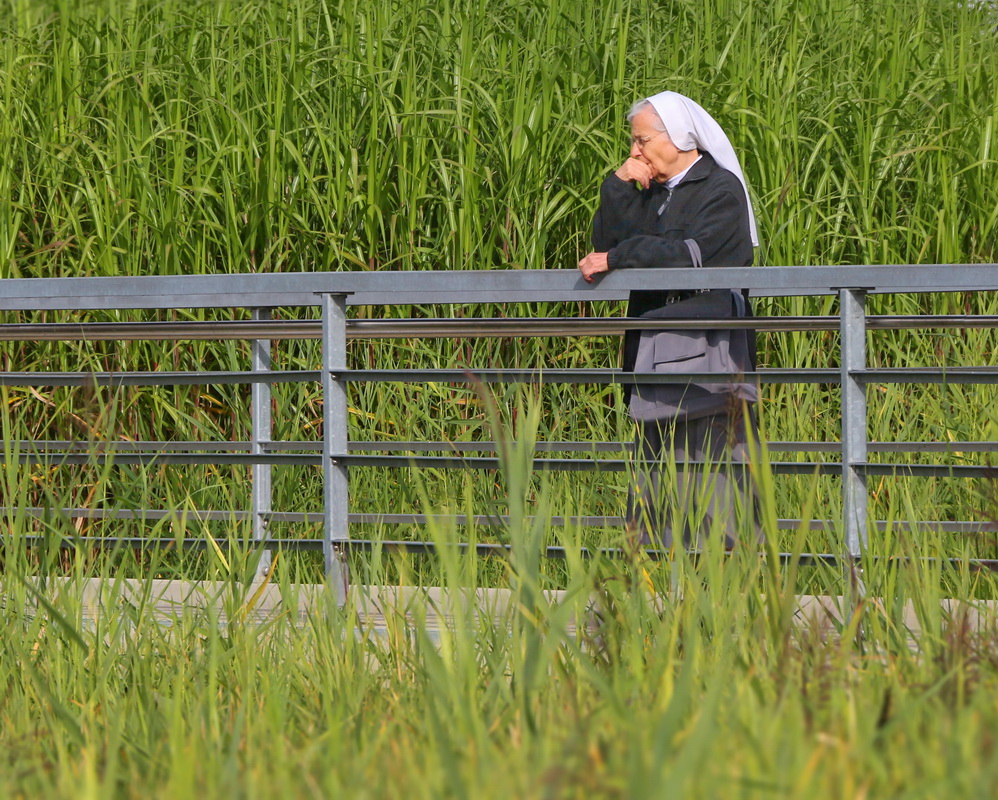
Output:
(689, 127)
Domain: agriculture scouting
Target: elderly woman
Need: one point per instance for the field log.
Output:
(680, 200)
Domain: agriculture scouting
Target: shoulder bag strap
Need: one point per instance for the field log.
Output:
(694, 252)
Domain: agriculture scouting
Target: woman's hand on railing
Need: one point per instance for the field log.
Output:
(592, 264)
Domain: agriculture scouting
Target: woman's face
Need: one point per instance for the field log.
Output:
(654, 147)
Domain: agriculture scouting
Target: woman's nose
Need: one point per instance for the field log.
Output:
(635, 150)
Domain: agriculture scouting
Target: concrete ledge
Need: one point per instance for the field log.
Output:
(434, 608)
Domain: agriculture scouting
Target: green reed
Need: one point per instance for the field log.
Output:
(691, 677)
(211, 137)
(153, 138)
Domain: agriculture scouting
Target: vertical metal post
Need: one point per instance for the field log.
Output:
(262, 492)
(335, 484)
(854, 445)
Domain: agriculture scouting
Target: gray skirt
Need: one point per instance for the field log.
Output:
(691, 476)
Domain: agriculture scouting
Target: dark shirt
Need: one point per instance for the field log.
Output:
(708, 205)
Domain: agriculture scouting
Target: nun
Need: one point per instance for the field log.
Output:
(680, 200)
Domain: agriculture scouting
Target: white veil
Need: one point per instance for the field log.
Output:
(689, 127)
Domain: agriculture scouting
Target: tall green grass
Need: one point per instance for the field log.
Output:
(203, 137)
(198, 137)
(441, 136)
(154, 138)
(638, 679)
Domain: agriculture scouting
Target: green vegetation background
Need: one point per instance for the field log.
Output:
(184, 137)
(143, 138)
(195, 137)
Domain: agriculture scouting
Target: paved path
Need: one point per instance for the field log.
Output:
(381, 608)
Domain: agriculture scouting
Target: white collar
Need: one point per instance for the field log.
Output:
(675, 180)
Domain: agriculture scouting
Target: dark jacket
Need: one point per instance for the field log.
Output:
(708, 206)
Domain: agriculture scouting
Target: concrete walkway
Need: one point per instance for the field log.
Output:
(382, 608)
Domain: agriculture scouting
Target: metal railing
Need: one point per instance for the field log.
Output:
(332, 293)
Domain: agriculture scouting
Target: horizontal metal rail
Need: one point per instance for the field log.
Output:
(300, 517)
(489, 376)
(153, 447)
(480, 463)
(480, 548)
(365, 546)
(430, 288)
(158, 378)
(479, 328)
(461, 520)
(933, 375)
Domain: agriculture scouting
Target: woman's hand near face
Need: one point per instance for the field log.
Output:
(635, 170)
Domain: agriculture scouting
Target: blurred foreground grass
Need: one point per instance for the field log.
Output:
(634, 679)
(695, 680)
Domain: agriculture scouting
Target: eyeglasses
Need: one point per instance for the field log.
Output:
(641, 141)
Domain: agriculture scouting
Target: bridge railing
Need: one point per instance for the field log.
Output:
(334, 293)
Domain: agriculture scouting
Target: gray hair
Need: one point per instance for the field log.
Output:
(640, 106)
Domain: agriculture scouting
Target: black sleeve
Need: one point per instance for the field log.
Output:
(714, 228)
(618, 201)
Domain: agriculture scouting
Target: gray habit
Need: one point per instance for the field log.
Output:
(669, 495)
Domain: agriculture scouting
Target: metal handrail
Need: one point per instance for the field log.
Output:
(478, 520)
(952, 447)
(112, 446)
(479, 327)
(607, 377)
(430, 288)
(887, 469)
(333, 292)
